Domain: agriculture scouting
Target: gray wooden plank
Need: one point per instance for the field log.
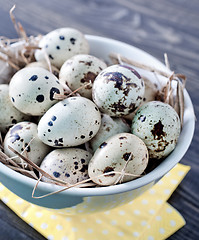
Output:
(13, 227)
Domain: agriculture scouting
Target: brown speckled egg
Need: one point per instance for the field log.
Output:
(9, 114)
(19, 136)
(70, 122)
(113, 154)
(118, 90)
(62, 44)
(158, 125)
(67, 164)
(109, 127)
(32, 89)
(80, 70)
(150, 94)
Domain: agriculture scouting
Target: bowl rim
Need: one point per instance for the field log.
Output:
(154, 175)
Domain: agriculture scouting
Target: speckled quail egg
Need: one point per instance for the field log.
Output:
(32, 89)
(70, 122)
(114, 155)
(43, 64)
(158, 125)
(19, 137)
(61, 44)
(151, 90)
(118, 90)
(9, 114)
(80, 70)
(67, 164)
(6, 70)
(109, 127)
(150, 94)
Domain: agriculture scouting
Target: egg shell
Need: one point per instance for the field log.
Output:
(158, 125)
(44, 64)
(9, 114)
(67, 164)
(113, 154)
(31, 90)
(109, 127)
(70, 122)
(19, 136)
(6, 70)
(80, 70)
(118, 90)
(150, 94)
(60, 45)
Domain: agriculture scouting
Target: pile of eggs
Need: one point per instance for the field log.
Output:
(84, 135)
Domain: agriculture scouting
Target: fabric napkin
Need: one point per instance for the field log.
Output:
(148, 217)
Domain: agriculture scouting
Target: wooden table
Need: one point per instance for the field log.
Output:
(155, 26)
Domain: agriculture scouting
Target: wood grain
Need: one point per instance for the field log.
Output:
(155, 26)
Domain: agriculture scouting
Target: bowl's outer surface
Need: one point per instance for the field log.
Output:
(89, 200)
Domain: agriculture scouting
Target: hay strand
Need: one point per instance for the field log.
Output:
(36, 167)
(57, 96)
(79, 183)
(114, 58)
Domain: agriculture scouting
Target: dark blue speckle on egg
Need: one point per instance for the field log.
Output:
(56, 174)
(40, 98)
(33, 78)
(142, 118)
(54, 118)
(103, 145)
(61, 37)
(50, 123)
(50, 56)
(72, 40)
(53, 90)
(14, 137)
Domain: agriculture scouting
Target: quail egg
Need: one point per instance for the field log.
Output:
(150, 94)
(43, 64)
(67, 164)
(61, 44)
(9, 114)
(118, 90)
(80, 70)
(109, 127)
(19, 137)
(70, 122)
(6, 70)
(158, 125)
(32, 89)
(122, 152)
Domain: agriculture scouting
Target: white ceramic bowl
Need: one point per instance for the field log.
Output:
(89, 200)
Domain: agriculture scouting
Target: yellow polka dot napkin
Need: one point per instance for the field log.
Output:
(148, 217)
